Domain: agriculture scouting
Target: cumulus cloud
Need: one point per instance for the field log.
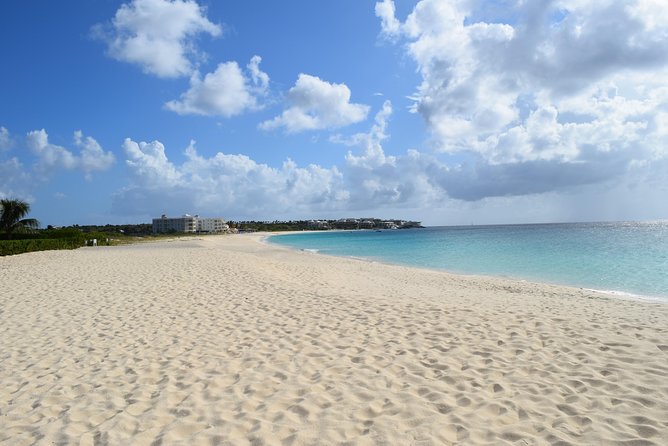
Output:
(15, 181)
(369, 180)
(148, 164)
(225, 183)
(227, 91)
(92, 156)
(52, 157)
(419, 179)
(49, 155)
(383, 180)
(158, 35)
(316, 104)
(565, 93)
(20, 180)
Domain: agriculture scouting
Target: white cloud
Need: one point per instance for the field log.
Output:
(376, 180)
(369, 181)
(567, 93)
(317, 104)
(158, 35)
(19, 180)
(51, 157)
(259, 78)
(230, 184)
(6, 141)
(92, 156)
(148, 163)
(424, 181)
(225, 92)
(652, 13)
(371, 142)
(15, 181)
(386, 11)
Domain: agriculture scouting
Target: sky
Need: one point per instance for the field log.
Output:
(444, 111)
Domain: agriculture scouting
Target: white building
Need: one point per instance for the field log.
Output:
(185, 223)
(211, 225)
(318, 224)
(188, 223)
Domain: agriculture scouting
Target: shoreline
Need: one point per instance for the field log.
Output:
(616, 294)
(230, 340)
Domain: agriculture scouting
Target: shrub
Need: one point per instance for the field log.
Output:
(12, 247)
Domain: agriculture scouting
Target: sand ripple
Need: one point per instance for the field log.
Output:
(225, 341)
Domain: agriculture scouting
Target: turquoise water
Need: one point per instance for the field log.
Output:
(630, 257)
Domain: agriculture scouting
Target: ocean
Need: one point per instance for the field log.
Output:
(625, 258)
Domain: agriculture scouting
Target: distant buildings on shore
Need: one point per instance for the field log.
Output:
(188, 223)
(362, 223)
(195, 224)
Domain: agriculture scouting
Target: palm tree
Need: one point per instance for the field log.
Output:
(11, 217)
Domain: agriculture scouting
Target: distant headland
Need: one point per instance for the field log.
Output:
(185, 225)
(323, 225)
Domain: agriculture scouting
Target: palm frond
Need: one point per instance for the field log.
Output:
(11, 216)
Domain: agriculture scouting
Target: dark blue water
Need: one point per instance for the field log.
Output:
(629, 257)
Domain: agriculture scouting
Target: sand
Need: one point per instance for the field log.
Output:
(224, 340)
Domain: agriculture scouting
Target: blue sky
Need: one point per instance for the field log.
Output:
(449, 112)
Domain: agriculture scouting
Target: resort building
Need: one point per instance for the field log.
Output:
(211, 225)
(188, 223)
(317, 224)
(164, 224)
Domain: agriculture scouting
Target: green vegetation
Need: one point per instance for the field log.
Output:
(11, 217)
(76, 236)
(19, 235)
(318, 225)
(12, 247)
(47, 239)
(266, 226)
(128, 230)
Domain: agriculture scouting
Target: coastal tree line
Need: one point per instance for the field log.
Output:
(318, 225)
(19, 233)
(145, 229)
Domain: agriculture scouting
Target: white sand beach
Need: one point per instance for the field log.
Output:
(225, 340)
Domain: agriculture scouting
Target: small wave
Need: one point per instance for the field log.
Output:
(364, 259)
(629, 296)
(315, 251)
